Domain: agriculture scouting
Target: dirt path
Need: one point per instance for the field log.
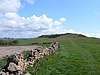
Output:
(14, 49)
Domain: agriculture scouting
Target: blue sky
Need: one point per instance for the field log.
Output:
(31, 18)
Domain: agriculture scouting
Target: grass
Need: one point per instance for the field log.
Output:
(28, 42)
(77, 56)
(3, 62)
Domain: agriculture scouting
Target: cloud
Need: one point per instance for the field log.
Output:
(30, 1)
(9, 5)
(92, 35)
(12, 25)
(62, 19)
(84, 33)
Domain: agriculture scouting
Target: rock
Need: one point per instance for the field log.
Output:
(27, 73)
(13, 67)
(41, 55)
(31, 53)
(51, 50)
(14, 58)
(31, 62)
(37, 56)
(2, 73)
(39, 49)
(22, 64)
(54, 47)
(46, 51)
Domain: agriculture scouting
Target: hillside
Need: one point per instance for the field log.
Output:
(58, 35)
(76, 56)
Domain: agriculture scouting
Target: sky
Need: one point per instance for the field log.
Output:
(32, 18)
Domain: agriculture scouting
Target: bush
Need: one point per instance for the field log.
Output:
(8, 42)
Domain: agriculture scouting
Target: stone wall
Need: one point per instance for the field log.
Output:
(16, 64)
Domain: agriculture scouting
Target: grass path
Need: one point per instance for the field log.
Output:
(87, 58)
(77, 56)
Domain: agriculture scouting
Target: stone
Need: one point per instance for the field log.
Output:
(55, 46)
(39, 49)
(21, 63)
(27, 73)
(46, 51)
(41, 55)
(51, 50)
(31, 53)
(14, 58)
(13, 67)
(2, 73)
(37, 56)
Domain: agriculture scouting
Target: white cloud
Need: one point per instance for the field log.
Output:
(30, 1)
(11, 15)
(92, 35)
(62, 19)
(9, 5)
(12, 24)
(84, 33)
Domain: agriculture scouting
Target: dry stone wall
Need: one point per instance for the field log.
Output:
(16, 64)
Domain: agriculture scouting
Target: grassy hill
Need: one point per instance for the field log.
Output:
(58, 35)
(77, 56)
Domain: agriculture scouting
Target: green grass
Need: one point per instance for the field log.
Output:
(3, 62)
(77, 56)
(28, 42)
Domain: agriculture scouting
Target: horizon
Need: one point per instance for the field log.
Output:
(47, 35)
(32, 18)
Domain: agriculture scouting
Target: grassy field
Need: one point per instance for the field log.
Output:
(77, 56)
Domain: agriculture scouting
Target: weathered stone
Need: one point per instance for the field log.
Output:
(2, 73)
(13, 67)
(27, 73)
(31, 53)
(14, 58)
(55, 46)
(37, 56)
(41, 55)
(31, 62)
(51, 50)
(39, 49)
(21, 63)
(46, 51)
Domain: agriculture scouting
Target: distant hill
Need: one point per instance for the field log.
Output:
(58, 35)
